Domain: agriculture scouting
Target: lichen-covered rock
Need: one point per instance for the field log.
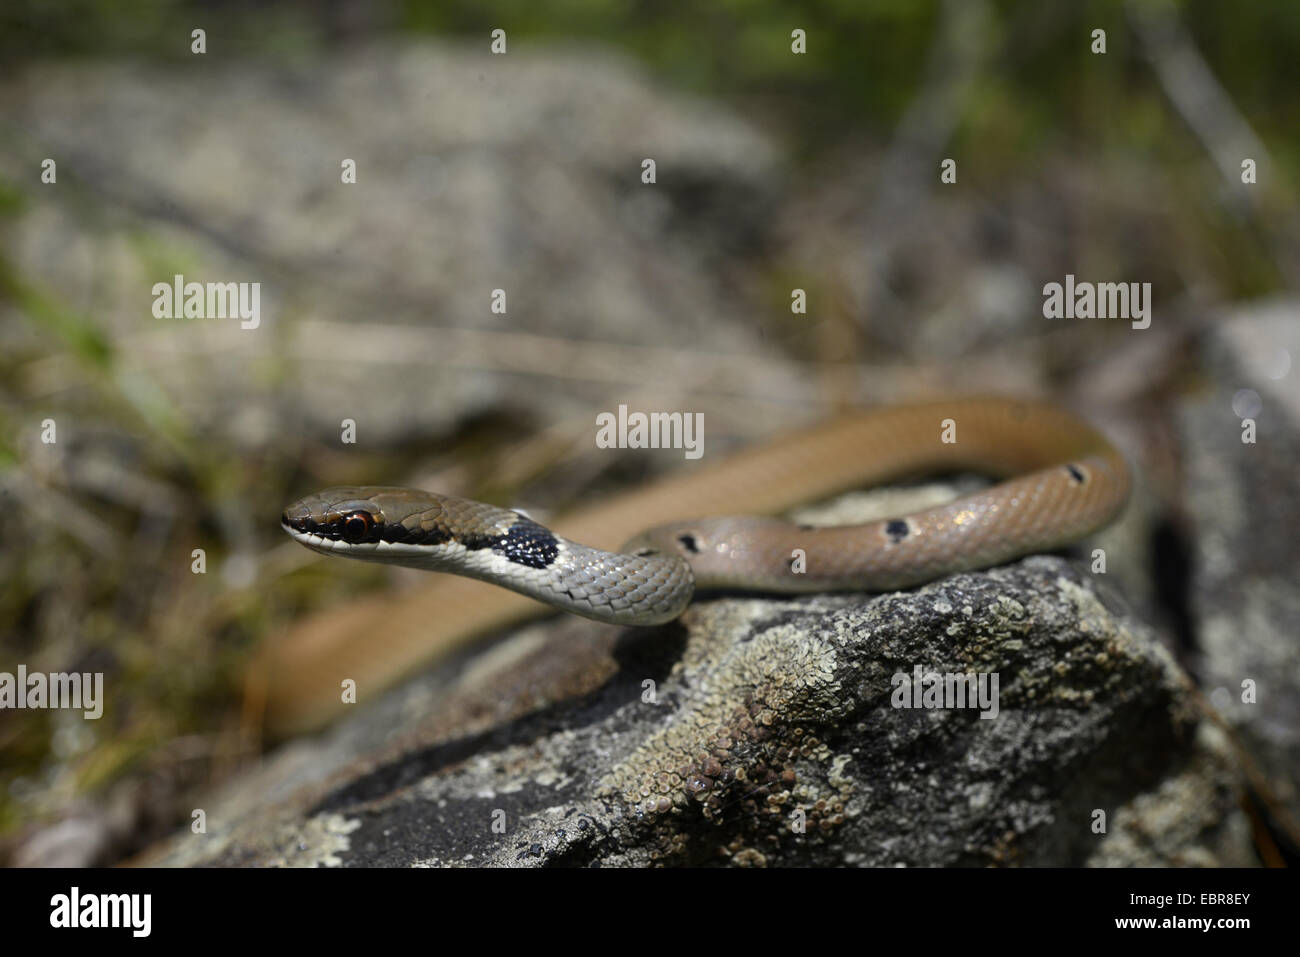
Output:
(764, 731)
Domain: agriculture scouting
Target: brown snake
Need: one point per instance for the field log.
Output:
(1061, 480)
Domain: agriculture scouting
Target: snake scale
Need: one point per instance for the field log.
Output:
(1060, 480)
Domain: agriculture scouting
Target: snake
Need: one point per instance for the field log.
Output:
(1057, 480)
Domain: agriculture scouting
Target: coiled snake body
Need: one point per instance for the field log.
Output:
(1061, 481)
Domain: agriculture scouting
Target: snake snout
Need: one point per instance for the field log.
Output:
(338, 515)
(298, 517)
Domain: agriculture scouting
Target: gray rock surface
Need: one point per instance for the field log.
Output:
(517, 172)
(765, 710)
(1243, 505)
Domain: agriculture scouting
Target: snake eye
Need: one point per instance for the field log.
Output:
(357, 526)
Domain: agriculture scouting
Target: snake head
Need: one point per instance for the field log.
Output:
(336, 515)
(396, 526)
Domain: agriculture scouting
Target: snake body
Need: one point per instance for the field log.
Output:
(1061, 481)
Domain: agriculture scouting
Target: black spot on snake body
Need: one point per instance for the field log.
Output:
(524, 543)
(897, 530)
(527, 543)
(1076, 473)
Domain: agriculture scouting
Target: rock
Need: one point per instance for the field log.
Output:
(712, 740)
(78, 840)
(474, 173)
(1243, 511)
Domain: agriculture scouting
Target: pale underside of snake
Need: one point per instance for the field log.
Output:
(1060, 481)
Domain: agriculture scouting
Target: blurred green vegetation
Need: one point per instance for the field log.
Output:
(1038, 92)
(864, 60)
